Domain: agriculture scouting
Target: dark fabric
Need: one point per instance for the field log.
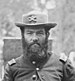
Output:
(69, 72)
(51, 70)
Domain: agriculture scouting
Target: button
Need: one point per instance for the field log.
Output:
(37, 69)
(34, 62)
(34, 77)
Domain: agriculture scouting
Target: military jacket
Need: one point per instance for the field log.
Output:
(56, 68)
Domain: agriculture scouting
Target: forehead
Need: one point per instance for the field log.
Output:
(34, 29)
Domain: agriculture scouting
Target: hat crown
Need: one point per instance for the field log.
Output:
(35, 17)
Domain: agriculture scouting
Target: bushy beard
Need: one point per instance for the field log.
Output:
(35, 51)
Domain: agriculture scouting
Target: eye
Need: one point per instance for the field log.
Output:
(40, 33)
(29, 32)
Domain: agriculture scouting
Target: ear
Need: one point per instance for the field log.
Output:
(48, 34)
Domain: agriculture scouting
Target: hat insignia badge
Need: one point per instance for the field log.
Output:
(32, 18)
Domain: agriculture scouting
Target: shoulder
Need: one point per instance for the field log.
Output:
(67, 63)
(12, 62)
(59, 57)
(69, 70)
(12, 65)
(63, 57)
(9, 64)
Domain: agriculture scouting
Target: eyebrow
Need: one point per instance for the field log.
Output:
(35, 29)
(29, 31)
(40, 31)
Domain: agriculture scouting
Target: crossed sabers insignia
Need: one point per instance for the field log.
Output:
(32, 18)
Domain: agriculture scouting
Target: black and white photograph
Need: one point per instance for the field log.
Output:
(37, 40)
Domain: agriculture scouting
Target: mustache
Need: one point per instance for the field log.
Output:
(34, 43)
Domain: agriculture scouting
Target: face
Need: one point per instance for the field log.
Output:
(34, 35)
(35, 40)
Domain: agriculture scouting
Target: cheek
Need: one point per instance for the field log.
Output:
(27, 37)
(27, 40)
(42, 39)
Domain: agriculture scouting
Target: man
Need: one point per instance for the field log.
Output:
(37, 63)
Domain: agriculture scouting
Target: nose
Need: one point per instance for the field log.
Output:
(35, 38)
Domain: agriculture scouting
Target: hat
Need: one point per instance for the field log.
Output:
(34, 19)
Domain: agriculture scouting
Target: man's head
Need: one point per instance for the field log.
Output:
(35, 32)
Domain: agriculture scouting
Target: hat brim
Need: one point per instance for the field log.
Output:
(45, 25)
